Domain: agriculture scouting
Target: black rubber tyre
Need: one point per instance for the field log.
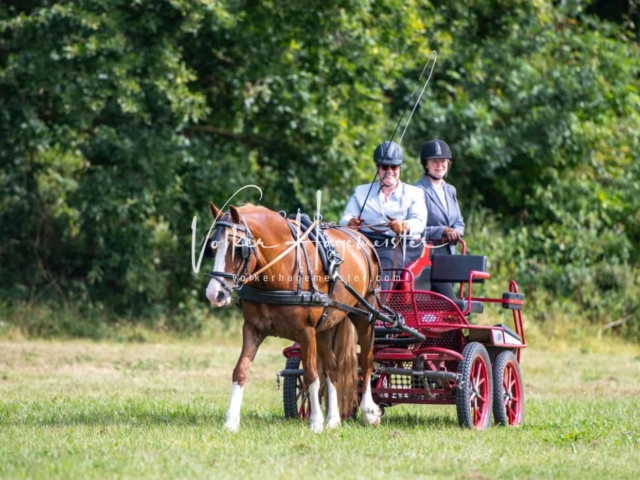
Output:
(474, 391)
(508, 390)
(295, 398)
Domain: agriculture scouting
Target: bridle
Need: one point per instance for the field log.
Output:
(247, 248)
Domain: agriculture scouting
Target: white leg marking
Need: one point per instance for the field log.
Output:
(215, 288)
(370, 412)
(317, 419)
(233, 412)
(333, 410)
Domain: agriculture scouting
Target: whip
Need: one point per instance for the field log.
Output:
(433, 57)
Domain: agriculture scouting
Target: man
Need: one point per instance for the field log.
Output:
(445, 227)
(394, 213)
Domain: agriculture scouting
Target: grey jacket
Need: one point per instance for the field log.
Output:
(438, 215)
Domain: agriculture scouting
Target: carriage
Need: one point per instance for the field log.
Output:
(441, 357)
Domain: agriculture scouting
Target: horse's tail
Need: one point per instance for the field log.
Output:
(344, 346)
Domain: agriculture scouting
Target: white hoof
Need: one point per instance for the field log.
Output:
(333, 422)
(316, 426)
(232, 424)
(370, 420)
(371, 416)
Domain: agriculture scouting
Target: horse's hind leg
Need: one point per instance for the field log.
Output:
(308, 353)
(329, 366)
(251, 340)
(370, 413)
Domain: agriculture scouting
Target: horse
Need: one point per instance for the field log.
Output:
(252, 247)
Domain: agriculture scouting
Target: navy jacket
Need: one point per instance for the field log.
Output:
(439, 216)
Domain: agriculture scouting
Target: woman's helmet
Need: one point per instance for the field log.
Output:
(388, 153)
(435, 149)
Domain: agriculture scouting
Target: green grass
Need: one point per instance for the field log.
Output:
(81, 409)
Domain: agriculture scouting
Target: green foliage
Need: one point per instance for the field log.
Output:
(583, 290)
(543, 114)
(120, 120)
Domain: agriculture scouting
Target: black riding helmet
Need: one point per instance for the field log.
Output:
(435, 149)
(388, 153)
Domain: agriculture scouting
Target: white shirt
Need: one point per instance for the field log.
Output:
(440, 192)
(406, 203)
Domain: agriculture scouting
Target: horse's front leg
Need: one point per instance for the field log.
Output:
(251, 340)
(311, 379)
(370, 413)
(329, 365)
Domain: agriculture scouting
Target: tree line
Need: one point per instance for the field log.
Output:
(121, 119)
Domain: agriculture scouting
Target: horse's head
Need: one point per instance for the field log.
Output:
(233, 248)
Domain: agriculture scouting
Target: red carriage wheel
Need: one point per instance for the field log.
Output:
(474, 390)
(294, 396)
(508, 392)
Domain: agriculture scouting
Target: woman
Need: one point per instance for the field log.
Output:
(445, 226)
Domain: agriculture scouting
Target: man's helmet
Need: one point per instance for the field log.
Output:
(435, 149)
(388, 153)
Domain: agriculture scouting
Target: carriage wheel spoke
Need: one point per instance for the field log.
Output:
(512, 415)
(478, 372)
(512, 380)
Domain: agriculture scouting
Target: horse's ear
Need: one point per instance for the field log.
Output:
(235, 215)
(215, 211)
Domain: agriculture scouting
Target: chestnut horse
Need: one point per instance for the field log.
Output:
(250, 239)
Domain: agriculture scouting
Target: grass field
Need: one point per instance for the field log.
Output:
(80, 409)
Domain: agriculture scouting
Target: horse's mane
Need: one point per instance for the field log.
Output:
(248, 207)
(251, 210)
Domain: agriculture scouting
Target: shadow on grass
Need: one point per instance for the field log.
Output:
(132, 413)
(415, 420)
(144, 415)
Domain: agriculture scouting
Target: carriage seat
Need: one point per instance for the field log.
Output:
(476, 307)
(456, 269)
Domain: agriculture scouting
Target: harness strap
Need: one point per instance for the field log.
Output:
(395, 321)
(325, 312)
(295, 233)
(348, 231)
(333, 255)
(290, 297)
(283, 254)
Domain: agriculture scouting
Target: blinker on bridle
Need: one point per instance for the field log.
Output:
(247, 248)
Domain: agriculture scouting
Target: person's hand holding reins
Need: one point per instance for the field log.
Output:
(355, 223)
(397, 226)
(450, 235)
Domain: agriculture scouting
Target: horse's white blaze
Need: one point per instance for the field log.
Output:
(333, 410)
(371, 413)
(214, 288)
(233, 412)
(317, 419)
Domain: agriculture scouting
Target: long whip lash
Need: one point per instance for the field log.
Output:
(433, 57)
